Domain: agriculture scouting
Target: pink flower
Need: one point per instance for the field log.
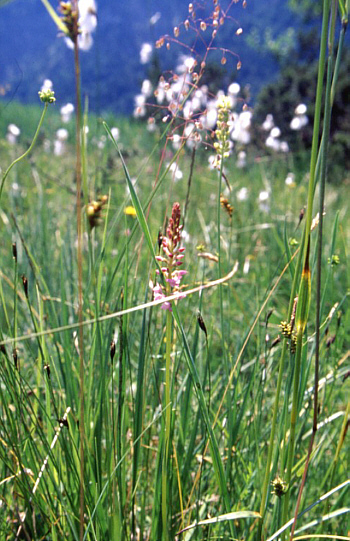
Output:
(173, 255)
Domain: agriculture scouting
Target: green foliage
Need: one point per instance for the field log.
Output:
(43, 206)
(281, 47)
(307, 8)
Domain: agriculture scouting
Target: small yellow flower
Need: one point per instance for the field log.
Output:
(130, 211)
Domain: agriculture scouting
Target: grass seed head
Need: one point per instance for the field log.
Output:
(47, 96)
(94, 210)
(279, 487)
(226, 205)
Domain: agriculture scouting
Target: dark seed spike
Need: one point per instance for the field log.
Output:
(15, 358)
(48, 371)
(339, 316)
(112, 350)
(268, 315)
(160, 240)
(346, 376)
(25, 285)
(14, 251)
(294, 311)
(202, 324)
(275, 342)
(301, 215)
(63, 422)
(330, 340)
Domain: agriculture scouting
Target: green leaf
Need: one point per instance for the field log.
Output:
(56, 19)
(135, 200)
(222, 518)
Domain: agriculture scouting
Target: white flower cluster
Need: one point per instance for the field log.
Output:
(66, 112)
(300, 119)
(196, 106)
(13, 133)
(87, 24)
(182, 97)
(273, 139)
(47, 85)
(59, 145)
(146, 53)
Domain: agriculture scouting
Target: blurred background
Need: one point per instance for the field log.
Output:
(112, 69)
(272, 51)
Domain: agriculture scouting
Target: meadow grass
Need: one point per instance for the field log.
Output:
(124, 396)
(196, 422)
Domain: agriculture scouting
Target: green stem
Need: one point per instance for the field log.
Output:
(317, 117)
(304, 289)
(165, 467)
(301, 321)
(219, 257)
(27, 151)
(323, 154)
(272, 438)
(80, 268)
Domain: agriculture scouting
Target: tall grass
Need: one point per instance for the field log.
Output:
(120, 420)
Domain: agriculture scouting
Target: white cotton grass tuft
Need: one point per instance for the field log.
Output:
(300, 109)
(275, 132)
(140, 106)
(240, 124)
(66, 112)
(300, 120)
(268, 123)
(59, 144)
(146, 53)
(242, 194)
(246, 265)
(234, 88)
(155, 18)
(264, 201)
(62, 134)
(87, 25)
(290, 180)
(241, 159)
(146, 88)
(176, 141)
(273, 139)
(176, 172)
(13, 132)
(115, 133)
(47, 85)
(87, 15)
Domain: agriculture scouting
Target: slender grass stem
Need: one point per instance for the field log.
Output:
(166, 476)
(80, 262)
(305, 283)
(317, 119)
(27, 151)
(325, 140)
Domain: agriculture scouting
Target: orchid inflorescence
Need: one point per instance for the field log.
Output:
(171, 260)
